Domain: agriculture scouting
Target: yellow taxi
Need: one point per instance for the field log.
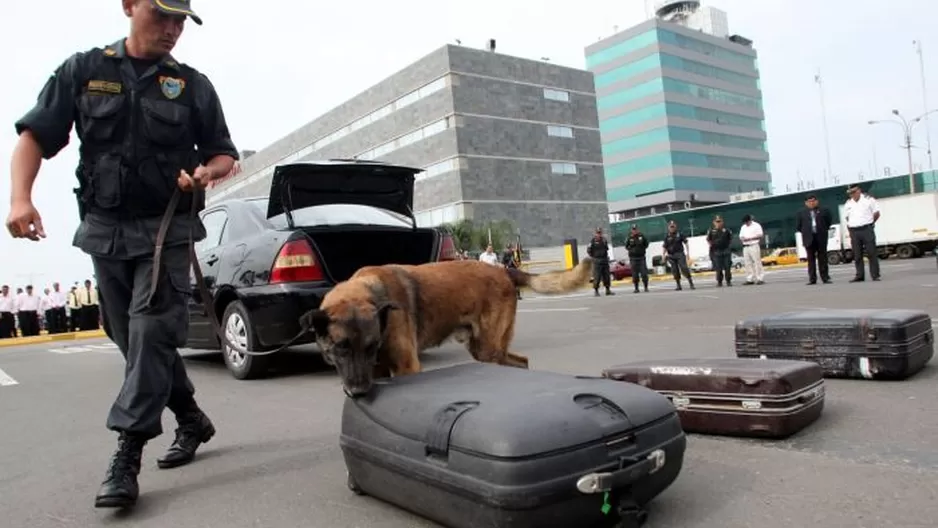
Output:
(781, 257)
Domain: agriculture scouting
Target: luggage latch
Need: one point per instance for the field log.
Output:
(625, 476)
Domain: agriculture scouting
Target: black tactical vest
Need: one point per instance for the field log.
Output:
(721, 238)
(136, 135)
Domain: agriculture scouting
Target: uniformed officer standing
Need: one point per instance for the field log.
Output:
(636, 245)
(598, 250)
(677, 250)
(719, 237)
(148, 125)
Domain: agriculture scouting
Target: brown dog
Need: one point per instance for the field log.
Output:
(377, 322)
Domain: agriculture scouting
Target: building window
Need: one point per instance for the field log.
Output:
(438, 168)
(440, 215)
(336, 135)
(559, 131)
(422, 133)
(557, 95)
(563, 168)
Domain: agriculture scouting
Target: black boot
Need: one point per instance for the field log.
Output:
(194, 430)
(120, 489)
(636, 287)
(646, 287)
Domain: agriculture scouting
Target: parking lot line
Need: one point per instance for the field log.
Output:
(535, 310)
(6, 380)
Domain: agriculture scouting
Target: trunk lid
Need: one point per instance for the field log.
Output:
(312, 183)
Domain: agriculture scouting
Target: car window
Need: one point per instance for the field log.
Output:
(336, 214)
(214, 229)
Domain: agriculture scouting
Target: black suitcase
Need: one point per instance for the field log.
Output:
(487, 446)
(865, 343)
(764, 398)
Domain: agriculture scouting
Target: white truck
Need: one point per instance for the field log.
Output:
(907, 228)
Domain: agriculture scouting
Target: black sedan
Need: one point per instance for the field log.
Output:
(268, 260)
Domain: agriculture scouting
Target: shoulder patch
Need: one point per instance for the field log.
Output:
(171, 87)
(110, 52)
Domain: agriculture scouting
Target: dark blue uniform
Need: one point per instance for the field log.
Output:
(140, 122)
(677, 257)
(598, 250)
(720, 255)
(637, 245)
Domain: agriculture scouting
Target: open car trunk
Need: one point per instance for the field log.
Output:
(346, 249)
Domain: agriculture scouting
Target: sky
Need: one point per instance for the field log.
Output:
(278, 64)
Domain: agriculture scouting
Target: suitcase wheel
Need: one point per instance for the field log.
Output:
(354, 487)
(631, 515)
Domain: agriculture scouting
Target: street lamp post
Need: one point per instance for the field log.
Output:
(907, 126)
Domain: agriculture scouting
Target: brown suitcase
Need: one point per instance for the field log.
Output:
(731, 396)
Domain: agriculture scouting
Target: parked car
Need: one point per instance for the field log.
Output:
(269, 260)
(702, 264)
(620, 270)
(781, 257)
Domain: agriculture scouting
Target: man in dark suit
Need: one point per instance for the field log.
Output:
(813, 222)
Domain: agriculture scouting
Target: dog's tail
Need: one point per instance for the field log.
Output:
(554, 282)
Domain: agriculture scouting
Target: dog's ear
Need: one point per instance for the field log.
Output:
(383, 310)
(317, 321)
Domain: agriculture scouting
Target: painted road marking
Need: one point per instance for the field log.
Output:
(69, 350)
(103, 347)
(6, 380)
(538, 310)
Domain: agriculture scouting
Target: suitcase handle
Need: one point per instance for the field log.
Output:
(620, 478)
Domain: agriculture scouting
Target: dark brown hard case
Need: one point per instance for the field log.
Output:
(732, 396)
(859, 343)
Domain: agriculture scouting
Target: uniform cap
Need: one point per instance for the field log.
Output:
(177, 7)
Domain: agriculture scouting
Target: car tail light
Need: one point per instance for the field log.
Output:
(296, 262)
(447, 248)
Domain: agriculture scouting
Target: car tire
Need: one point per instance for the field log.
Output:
(237, 325)
(833, 258)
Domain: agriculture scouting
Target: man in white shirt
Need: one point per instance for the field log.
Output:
(750, 234)
(489, 256)
(45, 309)
(27, 310)
(861, 213)
(7, 309)
(59, 322)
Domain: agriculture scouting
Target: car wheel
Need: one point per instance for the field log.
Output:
(237, 326)
(833, 258)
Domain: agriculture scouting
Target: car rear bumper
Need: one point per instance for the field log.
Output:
(276, 309)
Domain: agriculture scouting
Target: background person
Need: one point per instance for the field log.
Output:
(719, 237)
(598, 250)
(861, 212)
(813, 222)
(637, 245)
(750, 234)
(676, 249)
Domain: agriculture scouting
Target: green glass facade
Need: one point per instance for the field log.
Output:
(650, 71)
(776, 214)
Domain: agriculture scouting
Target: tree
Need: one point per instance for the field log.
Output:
(472, 236)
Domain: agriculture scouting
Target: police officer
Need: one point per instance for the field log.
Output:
(511, 259)
(677, 251)
(636, 245)
(148, 125)
(719, 237)
(598, 250)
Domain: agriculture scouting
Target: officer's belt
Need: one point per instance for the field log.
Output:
(208, 300)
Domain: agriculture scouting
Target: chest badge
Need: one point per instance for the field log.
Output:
(171, 86)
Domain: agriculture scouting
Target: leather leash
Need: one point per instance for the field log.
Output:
(207, 297)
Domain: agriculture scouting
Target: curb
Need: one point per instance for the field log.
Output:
(34, 340)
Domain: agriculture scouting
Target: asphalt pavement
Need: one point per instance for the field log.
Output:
(870, 461)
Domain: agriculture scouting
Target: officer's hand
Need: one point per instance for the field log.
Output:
(199, 178)
(24, 221)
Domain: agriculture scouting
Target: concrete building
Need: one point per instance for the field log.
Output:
(680, 112)
(499, 137)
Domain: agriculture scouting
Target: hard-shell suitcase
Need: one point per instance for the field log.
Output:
(864, 343)
(731, 396)
(486, 446)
